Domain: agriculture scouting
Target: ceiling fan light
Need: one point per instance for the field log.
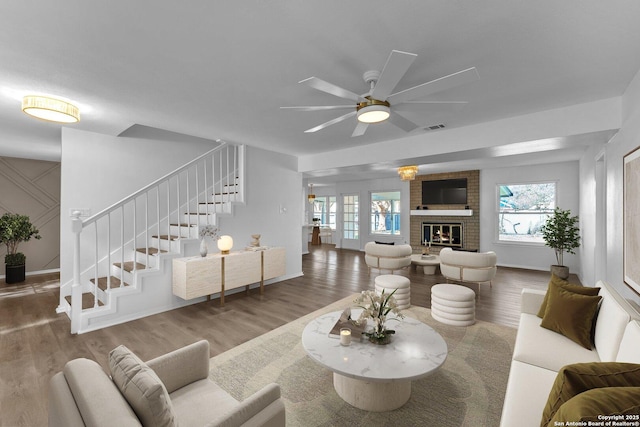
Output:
(373, 114)
(408, 173)
(50, 109)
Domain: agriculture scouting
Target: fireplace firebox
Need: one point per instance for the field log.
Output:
(442, 234)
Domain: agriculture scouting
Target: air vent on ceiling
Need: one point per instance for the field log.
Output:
(435, 127)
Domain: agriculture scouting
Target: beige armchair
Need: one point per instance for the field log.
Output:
(465, 266)
(172, 389)
(387, 257)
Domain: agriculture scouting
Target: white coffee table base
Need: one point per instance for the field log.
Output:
(375, 377)
(428, 266)
(372, 396)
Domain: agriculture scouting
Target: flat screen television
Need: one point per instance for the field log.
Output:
(445, 192)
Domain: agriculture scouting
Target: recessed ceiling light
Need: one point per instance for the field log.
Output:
(50, 109)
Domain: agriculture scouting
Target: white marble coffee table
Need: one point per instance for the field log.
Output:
(429, 264)
(376, 377)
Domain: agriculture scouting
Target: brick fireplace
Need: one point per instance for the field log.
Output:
(447, 219)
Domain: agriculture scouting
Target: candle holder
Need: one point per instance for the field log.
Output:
(345, 336)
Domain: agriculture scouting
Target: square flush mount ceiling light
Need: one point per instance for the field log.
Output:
(50, 109)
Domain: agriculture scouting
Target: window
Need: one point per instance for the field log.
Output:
(324, 207)
(385, 213)
(523, 209)
(350, 216)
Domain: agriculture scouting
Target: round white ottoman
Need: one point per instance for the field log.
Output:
(453, 304)
(389, 282)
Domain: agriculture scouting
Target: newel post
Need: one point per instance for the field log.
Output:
(76, 286)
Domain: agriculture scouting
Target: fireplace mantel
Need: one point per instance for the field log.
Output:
(442, 212)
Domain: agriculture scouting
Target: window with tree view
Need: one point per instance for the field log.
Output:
(523, 209)
(385, 213)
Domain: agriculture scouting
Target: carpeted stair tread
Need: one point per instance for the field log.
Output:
(183, 224)
(102, 282)
(87, 300)
(128, 266)
(152, 251)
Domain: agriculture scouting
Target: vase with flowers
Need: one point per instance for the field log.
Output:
(377, 307)
(207, 231)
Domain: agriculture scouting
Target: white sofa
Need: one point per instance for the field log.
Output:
(387, 257)
(463, 266)
(539, 353)
(83, 394)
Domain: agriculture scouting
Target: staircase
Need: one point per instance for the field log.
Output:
(123, 254)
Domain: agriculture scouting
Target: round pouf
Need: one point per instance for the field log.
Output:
(389, 282)
(453, 304)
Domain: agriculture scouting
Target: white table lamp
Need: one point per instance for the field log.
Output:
(225, 243)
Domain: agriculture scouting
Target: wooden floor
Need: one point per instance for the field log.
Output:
(35, 342)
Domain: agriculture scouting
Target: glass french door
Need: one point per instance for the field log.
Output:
(350, 221)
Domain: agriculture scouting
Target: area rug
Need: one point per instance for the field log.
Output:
(467, 391)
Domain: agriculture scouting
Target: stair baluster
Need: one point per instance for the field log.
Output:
(95, 270)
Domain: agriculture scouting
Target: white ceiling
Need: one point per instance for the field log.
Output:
(222, 69)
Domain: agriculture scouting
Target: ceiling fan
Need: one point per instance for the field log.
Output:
(380, 104)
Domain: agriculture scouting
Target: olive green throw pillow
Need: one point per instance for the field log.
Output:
(578, 289)
(572, 380)
(597, 404)
(570, 314)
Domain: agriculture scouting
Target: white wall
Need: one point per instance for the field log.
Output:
(627, 139)
(536, 257)
(99, 170)
(592, 219)
(272, 207)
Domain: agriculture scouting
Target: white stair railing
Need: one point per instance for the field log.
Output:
(193, 195)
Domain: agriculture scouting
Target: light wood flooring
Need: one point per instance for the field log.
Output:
(35, 342)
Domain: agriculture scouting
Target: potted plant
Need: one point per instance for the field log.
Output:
(14, 229)
(561, 232)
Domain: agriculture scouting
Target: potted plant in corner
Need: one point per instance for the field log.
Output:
(561, 232)
(14, 229)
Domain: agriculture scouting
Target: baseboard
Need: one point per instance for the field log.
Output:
(36, 273)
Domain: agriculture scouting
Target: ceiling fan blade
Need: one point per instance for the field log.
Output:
(327, 87)
(319, 107)
(397, 65)
(401, 122)
(330, 122)
(360, 129)
(452, 80)
(430, 106)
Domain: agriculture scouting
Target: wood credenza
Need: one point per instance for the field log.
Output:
(198, 276)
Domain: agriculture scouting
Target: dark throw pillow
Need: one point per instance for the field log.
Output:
(599, 404)
(580, 377)
(384, 243)
(578, 289)
(570, 314)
